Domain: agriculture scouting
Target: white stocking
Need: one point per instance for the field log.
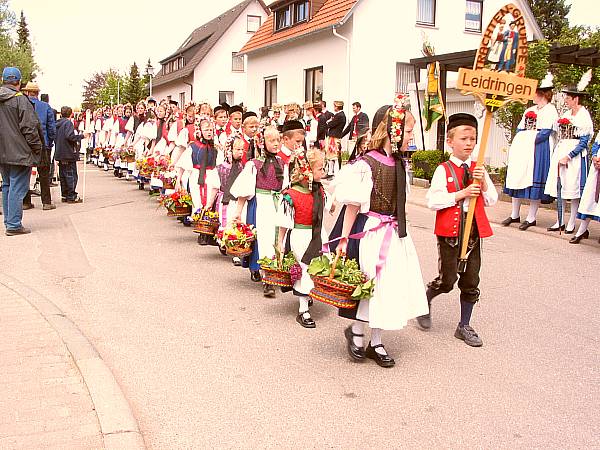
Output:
(303, 304)
(574, 207)
(358, 328)
(583, 226)
(516, 208)
(533, 209)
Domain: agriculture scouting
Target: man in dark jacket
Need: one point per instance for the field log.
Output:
(48, 125)
(67, 155)
(335, 128)
(359, 122)
(322, 117)
(20, 147)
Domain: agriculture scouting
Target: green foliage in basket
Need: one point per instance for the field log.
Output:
(346, 271)
(273, 263)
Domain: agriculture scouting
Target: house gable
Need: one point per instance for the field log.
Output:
(198, 44)
(329, 14)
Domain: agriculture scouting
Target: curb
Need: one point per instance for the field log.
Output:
(118, 425)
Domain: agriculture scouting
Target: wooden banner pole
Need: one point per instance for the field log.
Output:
(473, 200)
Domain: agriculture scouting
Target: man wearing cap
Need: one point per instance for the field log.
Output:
(47, 119)
(20, 147)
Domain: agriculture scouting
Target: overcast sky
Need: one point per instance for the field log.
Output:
(114, 33)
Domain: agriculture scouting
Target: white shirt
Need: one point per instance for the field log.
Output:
(438, 196)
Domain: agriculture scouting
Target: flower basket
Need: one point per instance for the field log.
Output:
(276, 277)
(128, 155)
(239, 250)
(179, 211)
(168, 184)
(237, 239)
(333, 291)
(206, 222)
(177, 204)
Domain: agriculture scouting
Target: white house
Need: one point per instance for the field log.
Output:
(359, 50)
(207, 66)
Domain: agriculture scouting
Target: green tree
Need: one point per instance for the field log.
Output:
(11, 53)
(551, 16)
(91, 89)
(108, 93)
(134, 86)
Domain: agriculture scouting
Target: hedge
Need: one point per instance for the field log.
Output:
(424, 162)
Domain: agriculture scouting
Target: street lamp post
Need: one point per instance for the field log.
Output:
(150, 73)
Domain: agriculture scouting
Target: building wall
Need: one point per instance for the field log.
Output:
(289, 61)
(214, 73)
(173, 89)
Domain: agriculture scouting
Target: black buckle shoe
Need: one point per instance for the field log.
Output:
(255, 276)
(561, 228)
(356, 353)
(306, 322)
(509, 220)
(526, 225)
(469, 335)
(381, 360)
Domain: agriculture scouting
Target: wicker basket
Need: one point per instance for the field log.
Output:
(240, 252)
(276, 277)
(333, 292)
(180, 211)
(168, 184)
(128, 158)
(146, 174)
(208, 227)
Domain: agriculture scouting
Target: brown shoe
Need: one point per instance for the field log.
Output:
(48, 207)
(28, 206)
(17, 231)
(77, 200)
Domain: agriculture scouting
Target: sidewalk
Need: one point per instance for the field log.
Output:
(43, 398)
(500, 211)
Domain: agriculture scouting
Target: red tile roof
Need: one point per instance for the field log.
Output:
(330, 14)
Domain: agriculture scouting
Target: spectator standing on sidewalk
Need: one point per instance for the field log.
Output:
(48, 123)
(67, 155)
(20, 147)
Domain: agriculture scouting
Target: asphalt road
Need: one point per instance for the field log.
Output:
(207, 362)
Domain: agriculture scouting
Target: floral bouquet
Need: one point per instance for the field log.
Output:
(97, 151)
(168, 178)
(107, 153)
(206, 222)
(161, 164)
(278, 271)
(339, 281)
(128, 154)
(146, 166)
(177, 204)
(237, 239)
(566, 130)
(530, 120)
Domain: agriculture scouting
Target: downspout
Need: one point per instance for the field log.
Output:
(336, 34)
(191, 90)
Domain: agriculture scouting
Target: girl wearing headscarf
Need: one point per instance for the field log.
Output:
(260, 185)
(300, 216)
(373, 190)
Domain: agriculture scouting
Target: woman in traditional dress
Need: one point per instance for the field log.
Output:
(373, 190)
(529, 157)
(589, 208)
(569, 160)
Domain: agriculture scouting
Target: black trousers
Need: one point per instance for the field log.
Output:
(67, 171)
(448, 257)
(44, 180)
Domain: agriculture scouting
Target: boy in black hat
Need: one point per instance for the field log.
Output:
(451, 191)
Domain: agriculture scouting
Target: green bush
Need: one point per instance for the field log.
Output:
(424, 162)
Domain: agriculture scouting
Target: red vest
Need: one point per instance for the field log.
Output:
(303, 206)
(447, 221)
(285, 158)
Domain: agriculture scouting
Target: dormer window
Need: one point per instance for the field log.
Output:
(291, 14)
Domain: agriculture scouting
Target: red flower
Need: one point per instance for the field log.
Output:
(175, 196)
(564, 121)
(531, 115)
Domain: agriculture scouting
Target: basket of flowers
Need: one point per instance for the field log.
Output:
(530, 120)
(566, 130)
(128, 154)
(278, 271)
(161, 165)
(178, 204)
(339, 281)
(168, 178)
(206, 222)
(107, 153)
(147, 167)
(97, 151)
(237, 239)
